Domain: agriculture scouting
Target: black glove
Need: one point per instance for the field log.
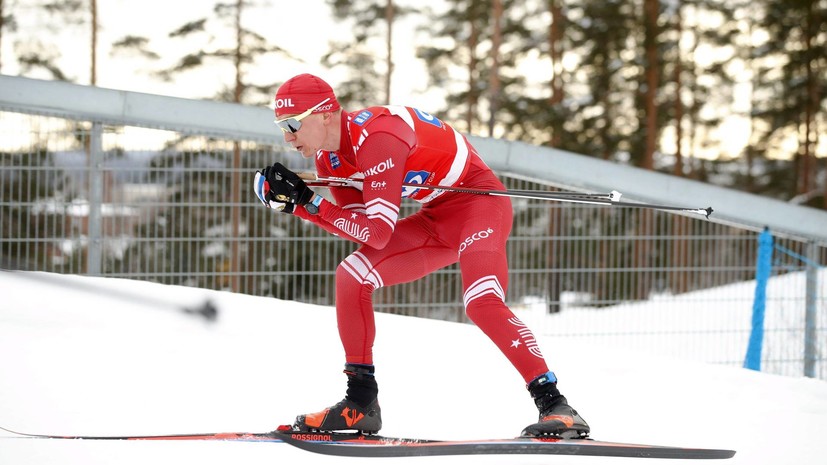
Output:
(287, 208)
(267, 197)
(286, 185)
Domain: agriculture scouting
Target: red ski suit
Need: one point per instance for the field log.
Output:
(390, 146)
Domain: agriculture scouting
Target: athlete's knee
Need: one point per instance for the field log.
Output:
(358, 269)
(486, 288)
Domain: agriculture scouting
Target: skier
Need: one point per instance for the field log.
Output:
(389, 146)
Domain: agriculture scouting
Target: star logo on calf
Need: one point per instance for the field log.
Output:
(515, 343)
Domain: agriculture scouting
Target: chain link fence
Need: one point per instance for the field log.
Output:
(175, 206)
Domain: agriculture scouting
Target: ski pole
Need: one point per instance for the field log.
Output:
(607, 199)
(313, 180)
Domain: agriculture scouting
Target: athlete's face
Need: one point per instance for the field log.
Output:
(319, 131)
(310, 136)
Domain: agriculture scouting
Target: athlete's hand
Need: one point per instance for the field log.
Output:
(270, 200)
(286, 185)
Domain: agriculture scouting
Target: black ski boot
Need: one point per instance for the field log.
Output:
(557, 418)
(359, 410)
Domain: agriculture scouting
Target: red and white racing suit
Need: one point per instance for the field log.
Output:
(390, 146)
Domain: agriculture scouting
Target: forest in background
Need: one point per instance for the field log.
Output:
(651, 83)
(645, 83)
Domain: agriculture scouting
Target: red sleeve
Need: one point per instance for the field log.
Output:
(382, 158)
(347, 198)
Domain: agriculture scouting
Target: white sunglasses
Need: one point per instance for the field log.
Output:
(293, 123)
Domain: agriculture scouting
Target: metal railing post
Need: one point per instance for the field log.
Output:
(94, 251)
(810, 315)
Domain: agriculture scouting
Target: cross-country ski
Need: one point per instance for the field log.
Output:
(361, 445)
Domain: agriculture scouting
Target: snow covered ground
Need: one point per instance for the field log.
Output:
(79, 356)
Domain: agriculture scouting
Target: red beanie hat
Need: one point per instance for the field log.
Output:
(302, 92)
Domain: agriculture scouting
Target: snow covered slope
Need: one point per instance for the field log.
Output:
(82, 355)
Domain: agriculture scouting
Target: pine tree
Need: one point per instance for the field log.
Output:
(473, 55)
(7, 23)
(246, 47)
(454, 39)
(366, 76)
(242, 51)
(601, 100)
(33, 54)
(788, 98)
(524, 105)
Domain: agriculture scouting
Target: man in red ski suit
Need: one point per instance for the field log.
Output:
(389, 146)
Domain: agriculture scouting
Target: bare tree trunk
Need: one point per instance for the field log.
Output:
(651, 8)
(472, 69)
(93, 79)
(555, 39)
(555, 283)
(678, 171)
(815, 89)
(808, 161)
(1, 34)
(94, 71)
(643, 253)
(239, 86)
(389, 17)
(494, 73)
(750, 150)
(679, 283)
(235, 176)
(679, 277)
(696, 166)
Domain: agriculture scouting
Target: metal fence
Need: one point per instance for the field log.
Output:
(175, 206)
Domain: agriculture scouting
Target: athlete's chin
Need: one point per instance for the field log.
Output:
(305, 151)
